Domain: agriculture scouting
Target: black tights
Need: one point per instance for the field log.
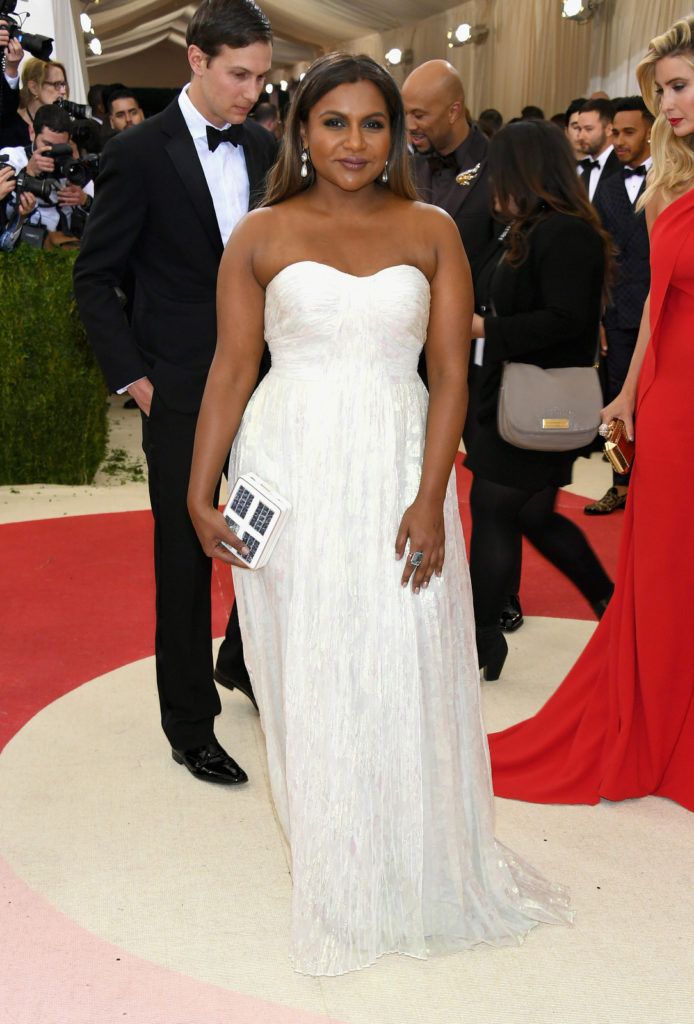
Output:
(501, 516)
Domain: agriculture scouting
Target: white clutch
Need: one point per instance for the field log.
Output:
(257, 515)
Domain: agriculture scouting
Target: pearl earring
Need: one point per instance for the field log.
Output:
(384, 176)
(304, 163)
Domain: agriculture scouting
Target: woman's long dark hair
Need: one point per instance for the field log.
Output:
(325, 74)
(531, 165)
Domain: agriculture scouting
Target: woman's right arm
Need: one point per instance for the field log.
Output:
(230, 383)
(622, 408)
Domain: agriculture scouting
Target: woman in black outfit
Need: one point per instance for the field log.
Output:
(547, 292)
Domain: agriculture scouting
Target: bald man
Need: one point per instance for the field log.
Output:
(450, 168)
(450, 153)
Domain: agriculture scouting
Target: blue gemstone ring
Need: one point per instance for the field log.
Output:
(416, 558)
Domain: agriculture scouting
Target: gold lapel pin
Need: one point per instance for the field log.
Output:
(467, 177)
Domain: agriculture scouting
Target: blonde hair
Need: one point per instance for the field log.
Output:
(35, 70)
(673, 157)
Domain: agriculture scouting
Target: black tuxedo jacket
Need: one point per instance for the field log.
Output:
(468, 205)
(612, 166)
(153, 216)
(628, 229)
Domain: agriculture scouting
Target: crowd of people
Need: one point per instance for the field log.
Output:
(301, 336)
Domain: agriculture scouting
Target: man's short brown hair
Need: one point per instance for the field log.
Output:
(233, 23)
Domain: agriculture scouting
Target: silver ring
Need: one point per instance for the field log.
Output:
(604, 430)
(416, 558)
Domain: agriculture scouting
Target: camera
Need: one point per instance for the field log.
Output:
(79, 111)
(37, 46)
(42, 188)
(76, 171)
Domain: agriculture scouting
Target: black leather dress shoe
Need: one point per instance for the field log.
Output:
(511, 617)
(234, 683)
(211, 763)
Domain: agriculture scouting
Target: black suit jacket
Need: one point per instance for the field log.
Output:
(628, 229)
(612, 166)
(153, 215)
(468, 205)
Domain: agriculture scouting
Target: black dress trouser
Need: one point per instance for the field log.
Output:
(188, 697)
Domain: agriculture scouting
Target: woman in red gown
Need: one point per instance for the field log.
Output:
(622, 723)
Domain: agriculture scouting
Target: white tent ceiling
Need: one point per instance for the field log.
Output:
(302, 28)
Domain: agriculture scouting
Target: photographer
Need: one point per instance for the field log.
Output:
(55, 205)
(11, 227)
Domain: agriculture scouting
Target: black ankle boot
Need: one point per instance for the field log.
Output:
(491, 651)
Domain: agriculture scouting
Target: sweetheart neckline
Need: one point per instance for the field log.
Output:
(345, 273)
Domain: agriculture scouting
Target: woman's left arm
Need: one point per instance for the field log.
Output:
(447, 355)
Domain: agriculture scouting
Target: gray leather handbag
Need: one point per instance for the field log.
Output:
(549, 410)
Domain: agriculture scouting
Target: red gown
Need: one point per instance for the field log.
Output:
(622, 722)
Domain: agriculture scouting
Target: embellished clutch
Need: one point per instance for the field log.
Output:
(257, 515)
(618, 448)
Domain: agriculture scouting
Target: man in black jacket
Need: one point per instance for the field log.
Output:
(616, 204)
(169, 194)
(450, 163)
(450, 170)
(595, 138)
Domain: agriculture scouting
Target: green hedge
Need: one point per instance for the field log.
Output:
(52, 394)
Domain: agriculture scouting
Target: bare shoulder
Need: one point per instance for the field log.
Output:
(433, 227)
(251, 237)
(254, 225)
(432, 219)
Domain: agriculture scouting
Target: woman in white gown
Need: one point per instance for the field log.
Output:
(363, 662)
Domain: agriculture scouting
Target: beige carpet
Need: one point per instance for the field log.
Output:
(126, 844)
(97, 819)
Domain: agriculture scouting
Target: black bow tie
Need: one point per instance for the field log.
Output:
(588, 165)
(233, 134)
(438, 162)
(640, 171)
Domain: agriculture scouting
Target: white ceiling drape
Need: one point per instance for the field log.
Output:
(531, 55)
(54, 18)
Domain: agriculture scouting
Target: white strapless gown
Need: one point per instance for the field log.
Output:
(368, 695)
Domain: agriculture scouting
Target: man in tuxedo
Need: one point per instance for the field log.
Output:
(168, 196)
(595, 139)
(616, 205)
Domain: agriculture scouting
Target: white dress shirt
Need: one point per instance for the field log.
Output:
(225, 170)
(633, 183)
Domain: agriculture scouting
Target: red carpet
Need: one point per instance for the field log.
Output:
(79, 601)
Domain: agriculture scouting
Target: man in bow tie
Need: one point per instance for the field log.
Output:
(170, 192)
(595, 139)
(616, 204)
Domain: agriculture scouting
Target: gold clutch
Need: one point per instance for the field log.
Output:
(618, 448)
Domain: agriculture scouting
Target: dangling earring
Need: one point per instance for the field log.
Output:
(304, 163)
(384, 176)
